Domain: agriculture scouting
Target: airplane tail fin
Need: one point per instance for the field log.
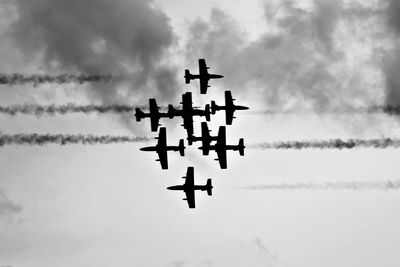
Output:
(209, 187)
(181, 148)
(139, 114)
(207, 112)
(241, 147)
(170, 111)
(214, 107)
(187, 76)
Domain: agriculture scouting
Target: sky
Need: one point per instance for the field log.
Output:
(303, 61)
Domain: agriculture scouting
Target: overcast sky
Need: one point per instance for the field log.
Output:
(108, 205)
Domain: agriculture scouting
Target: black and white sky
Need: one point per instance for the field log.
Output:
(301, 66)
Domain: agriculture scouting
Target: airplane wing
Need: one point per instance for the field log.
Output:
(221, 153)
(203, 84)
(162, 151)
(154, 123)
(154, 117)
(189, 184)
(202, 66)
(203, 73)
(163, 158)
(162, 137)
(188, 124)
(229, 108)
(221, 144)
(190, 199)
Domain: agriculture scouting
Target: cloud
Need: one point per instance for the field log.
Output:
(392, 67)
(302, 58)
(129, 38)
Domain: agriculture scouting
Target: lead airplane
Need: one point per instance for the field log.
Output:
(205, 138)
(229, 107)
(162, 148)
(203, 76)
(188, 112)
(154, 114)
(189, 187)
(221, 147)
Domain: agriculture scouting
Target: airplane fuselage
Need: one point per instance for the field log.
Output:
(207, 76)
(160, 148)
(184, 188)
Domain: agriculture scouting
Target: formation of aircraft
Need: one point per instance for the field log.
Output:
(189, 187)
(208, 142)
(162, 148)
(229, 107)
(203, 76)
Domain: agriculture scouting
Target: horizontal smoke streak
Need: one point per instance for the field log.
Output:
(330, 144)
(31, 109)
(35, 79)
(390, 110)
(65, 139)
(388, 185)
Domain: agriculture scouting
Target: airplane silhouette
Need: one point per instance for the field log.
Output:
(205, 137)
(188, 112)
(203, 76)
(162, 148)
(189, 187)
(154, 115)
(229, 107)
(221, 147)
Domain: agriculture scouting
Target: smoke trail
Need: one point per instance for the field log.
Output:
(388, 185)
(33, 109)
(385, 109)
(63, 139)
(330, 144)
(36, 79)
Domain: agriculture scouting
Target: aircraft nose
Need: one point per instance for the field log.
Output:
(169, 188)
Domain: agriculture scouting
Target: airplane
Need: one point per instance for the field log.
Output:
(188, 112)
(162, 148)
(229, 107)
(221, 147)
(203, 76)
(205, 137)
(154, 115)
(189, 187)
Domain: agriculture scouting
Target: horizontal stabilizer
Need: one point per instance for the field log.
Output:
(181, 148)
(214, 107)
(207, 112)
(241, 146)
(187, 76)
(139, 114)
(209, 187)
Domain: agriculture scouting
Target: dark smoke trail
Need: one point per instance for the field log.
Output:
(330, 144)
(64, 139)
(64, 109)
(388, 185)
(36, 79)
(389, 110)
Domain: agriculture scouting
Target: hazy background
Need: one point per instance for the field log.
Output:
(108, 206)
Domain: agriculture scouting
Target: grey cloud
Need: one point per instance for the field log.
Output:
(129, 38)
(293, 63)
(392, 67)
